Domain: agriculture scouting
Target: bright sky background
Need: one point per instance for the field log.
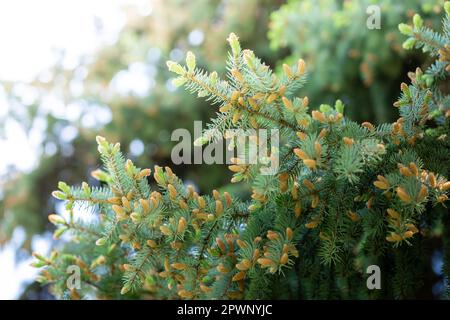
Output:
(31, 32)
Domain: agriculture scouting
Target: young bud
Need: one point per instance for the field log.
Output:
(283, 181)
(228, 198)
(432, 179)
(323, 133)
(101, 242)
(145, 206)
(183, 205)
(310, 163)
(301, 66)
(219, 207)
(241, 243)
(118, 210)
(179, 81)
(298, 209)
(55, 219)
(394, 237)
(413, 167)
(317, 148)
(213, 77)
(244, 265)
(172, 191)
(353, 216)
(309, 184)
(159, 175)
(179, 266)
(221, 245)
(301, 154)
(287, 103)
(233, 40)
(403, 195)
(368, 126)
(313, 224)
(405, 171)
(201, 202)
(408, 234)
(236, 116)
(445, 186)
(253, 104)
(99, 175)
(348, 141)
(287, 71)
(423, 193)
(190, 61)
(145, 173)
(318, 116)
(265, 262)
(289, 233)
(238, 276)
(236, 168)
(417, 21)
(125, 289)
(284, 259)
(271, 98)
(393, 214)
(222, 269)
(152, 244)
(185, 294)
(126, 203)
(205, 288)
(412, 228)
(237, 75)
(165, 230)
(249, 58)
(301, 135)
(405, 29)
(175, 67)
(315, 201)
(181, 225)
(135, 217)
(305, 102)
(339, 106)
(272, 235)
(59, 195)
(226, 108)
(409, 43)
(382, 183)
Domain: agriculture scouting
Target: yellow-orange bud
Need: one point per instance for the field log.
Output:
(181, 225)
(319, 116)
(238, 276)
(219, 207)
(310, 163)
(172, 191)
(301, 154)
(289, 233)
(348, 141)
(284, 259)
(179, 266)
(403, 195)
(265, 262)
(393, 214)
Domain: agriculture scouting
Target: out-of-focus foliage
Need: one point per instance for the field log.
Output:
(124, 92)
(348, 60)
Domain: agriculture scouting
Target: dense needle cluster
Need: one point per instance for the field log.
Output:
(345, 196)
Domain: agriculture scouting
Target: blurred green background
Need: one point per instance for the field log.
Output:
(107, 76)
